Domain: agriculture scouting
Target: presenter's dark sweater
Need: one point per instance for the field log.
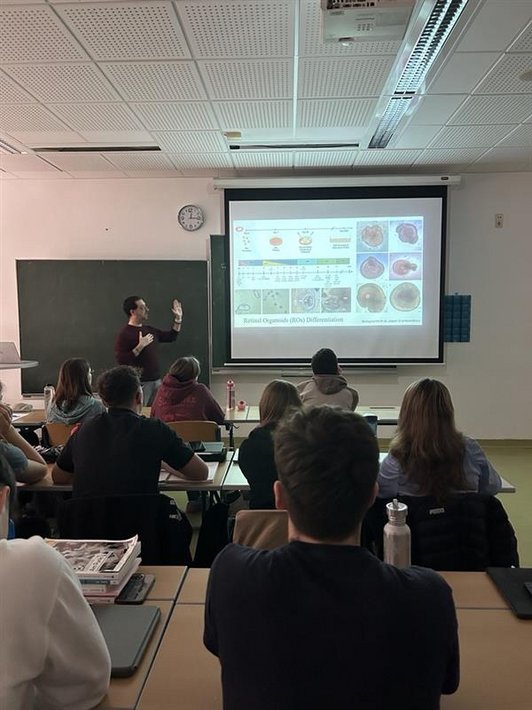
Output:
(308, 627)
(148, 359)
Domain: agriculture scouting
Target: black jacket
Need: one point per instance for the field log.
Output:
(469, 532)
(255, 458)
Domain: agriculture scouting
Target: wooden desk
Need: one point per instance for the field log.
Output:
(495, 661)
(387, 416)
(495, 649)
(194, 587)
(46, 485)
(168, 582)
(474, 590)
(185, 675)
(124, 692)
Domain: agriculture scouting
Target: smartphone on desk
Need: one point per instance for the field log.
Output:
(136, 590)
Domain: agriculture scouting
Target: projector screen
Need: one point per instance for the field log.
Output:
(359, 270)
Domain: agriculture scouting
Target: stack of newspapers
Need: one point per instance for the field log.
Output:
(103, 567)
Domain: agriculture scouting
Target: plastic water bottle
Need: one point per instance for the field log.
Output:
(397, 535)
(231, 395)
(49, 394)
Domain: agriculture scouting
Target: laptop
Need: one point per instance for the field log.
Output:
(511, 584)
(127, 631)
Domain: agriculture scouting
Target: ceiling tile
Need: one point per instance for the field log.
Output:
(176, 116)
(449, 158)
(462, 72)
(512, 108)
(504, 76)
(387, 157)
(97, 116)
(185, 161)
(495, 26)
(248, 80)
(44, 139)
(524, 42)
(155, 81)
(341, 158)
(262, 160)
(140, 164)
(127, 30)
(233, 28)
(234, 115)
(470, 136)
(340, 113)
(28, 165)
(435, 109)
(415, 137)
(502, 159)
(12, 93)
(28, 117)
(343, 78)
(521, 137)
(34, 33)
(83, 164)
(61, 83)
(189, 142)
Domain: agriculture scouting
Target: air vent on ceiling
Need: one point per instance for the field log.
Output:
(292, 146)
(98, 149)
(345, 20)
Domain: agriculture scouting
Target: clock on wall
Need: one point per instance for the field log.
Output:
(190, 217)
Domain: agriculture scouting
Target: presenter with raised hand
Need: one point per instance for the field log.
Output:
(137, 343)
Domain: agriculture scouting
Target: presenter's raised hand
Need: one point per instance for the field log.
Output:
(144, 340)
(177, 310)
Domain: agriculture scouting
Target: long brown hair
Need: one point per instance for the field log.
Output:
(427, 444)
(278, 397)
(73, 382)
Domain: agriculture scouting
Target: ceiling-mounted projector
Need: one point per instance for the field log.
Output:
(346, 20)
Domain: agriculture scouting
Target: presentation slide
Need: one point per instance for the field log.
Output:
(361, 276)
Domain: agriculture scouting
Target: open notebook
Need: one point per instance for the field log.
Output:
(167, 475)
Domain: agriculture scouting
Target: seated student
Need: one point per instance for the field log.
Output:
(428, 456)
(181, 397)
(53, 655)
(327, 624)
(255, 456)
(73, 399)
(119, 452)
(27, 465)
(327, 385)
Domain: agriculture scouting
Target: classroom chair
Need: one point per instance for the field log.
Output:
(164, 531)
(199, 430)
(467, 533)
(57, 434)
(261, 529)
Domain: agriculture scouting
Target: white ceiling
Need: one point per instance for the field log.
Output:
(179, 74)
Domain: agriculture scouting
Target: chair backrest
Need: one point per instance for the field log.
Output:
(199, 430)
(469, 532)
(261, 529)
(164, 531)
(58, 433)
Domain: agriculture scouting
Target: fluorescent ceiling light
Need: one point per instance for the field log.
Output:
(437, 29)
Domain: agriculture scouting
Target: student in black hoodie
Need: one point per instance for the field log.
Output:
(255, 456)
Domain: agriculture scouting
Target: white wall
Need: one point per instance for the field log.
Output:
(490, 378)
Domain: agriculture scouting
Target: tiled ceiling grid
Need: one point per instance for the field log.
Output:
(178, 74)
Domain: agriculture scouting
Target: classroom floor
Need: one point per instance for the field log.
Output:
(513, 460)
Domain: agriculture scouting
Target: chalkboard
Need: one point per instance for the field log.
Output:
(219, 271)
(74, 309)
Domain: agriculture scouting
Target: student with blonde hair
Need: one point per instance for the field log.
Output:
(428, 455)
(255, 456)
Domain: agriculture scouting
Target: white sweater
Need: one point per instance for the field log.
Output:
(52, 653)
